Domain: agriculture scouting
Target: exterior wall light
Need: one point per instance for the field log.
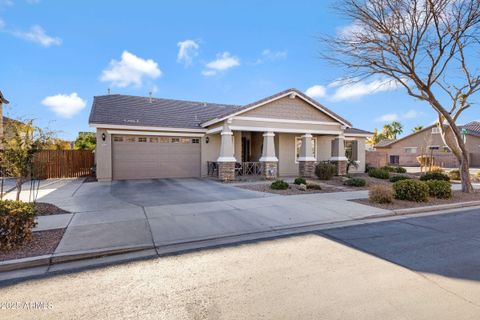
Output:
(104, 136)
(207, 139)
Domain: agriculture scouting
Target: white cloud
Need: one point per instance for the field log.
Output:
(188, 49)
(351, 90)
(65, 105)
(389, 117)
(38, 35)
(269, 55)
(316, 91)
(223, 62)
(6, 3)
(130, 70)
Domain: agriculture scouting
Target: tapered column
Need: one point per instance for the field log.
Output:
(338, 155)
(226, 160)
(269, 159)
(306, 159)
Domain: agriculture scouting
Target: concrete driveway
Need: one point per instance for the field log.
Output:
(174, 214)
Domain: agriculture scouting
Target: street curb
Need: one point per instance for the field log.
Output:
(439, 207)
(51, 259)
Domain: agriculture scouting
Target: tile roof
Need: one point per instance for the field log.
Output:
(385, 143)
(142, 111)
(357, 131)
(472, 128)
(116, 109)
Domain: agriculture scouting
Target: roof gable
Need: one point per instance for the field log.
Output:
(276, 97)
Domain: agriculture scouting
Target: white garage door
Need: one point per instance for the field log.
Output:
(146, 157)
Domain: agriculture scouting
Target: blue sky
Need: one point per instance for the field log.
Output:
(57, 55)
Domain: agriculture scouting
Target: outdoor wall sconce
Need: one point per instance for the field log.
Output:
(104, 136)
(207, 139)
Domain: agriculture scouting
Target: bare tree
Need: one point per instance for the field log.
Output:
(428, 47)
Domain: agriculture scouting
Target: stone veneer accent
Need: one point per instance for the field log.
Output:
(341, 167)
(306, 169)
(226, 171)
(270, 170)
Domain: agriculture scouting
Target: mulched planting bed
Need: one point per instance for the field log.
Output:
(458, 196)
(46, 209)
(41, 243)
(292, 189)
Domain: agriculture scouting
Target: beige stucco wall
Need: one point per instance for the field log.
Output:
(287, 108)
(103, 156)
(210, 151)
(473, 146)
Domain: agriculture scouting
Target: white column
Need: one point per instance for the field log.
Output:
(226, 146)
(338, 149)
(306, 152)
(268, 154)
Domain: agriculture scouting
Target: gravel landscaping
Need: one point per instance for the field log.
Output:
(41, 243)
(458, 196)
(293, 189)
(46, 209)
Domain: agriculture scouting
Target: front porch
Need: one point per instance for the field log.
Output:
(249, 155)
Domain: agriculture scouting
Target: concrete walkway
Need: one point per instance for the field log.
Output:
(114, 216)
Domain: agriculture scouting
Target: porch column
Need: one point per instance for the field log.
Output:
(226, 160)
(306, 159)
(338, 155)
(269, 159)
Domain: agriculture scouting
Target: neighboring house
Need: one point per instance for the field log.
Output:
(140, 137)
(427, 141)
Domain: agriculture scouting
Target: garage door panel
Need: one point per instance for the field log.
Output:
(146, 160)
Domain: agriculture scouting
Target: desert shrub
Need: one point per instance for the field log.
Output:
(398, 178)
(300, 180)
(439, 189)
(434, 176)
(368, 166)
(435, 169)
(478, 174)
(325, 170)
(411, 190)
(16, 222)
(454, 174)
(380, 194)
(395, 169)
(355, 182)
(279, 185)
(378, 173)
(314, 186)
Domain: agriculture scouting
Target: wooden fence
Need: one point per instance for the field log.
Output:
(62, 164)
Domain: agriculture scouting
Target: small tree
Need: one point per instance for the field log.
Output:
(20, 142)
(85, 141)
(428, 47)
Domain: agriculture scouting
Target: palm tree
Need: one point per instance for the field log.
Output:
(417, 128)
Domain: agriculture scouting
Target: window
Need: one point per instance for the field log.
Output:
(433, 147)
(118, 139)
(394, 159)
(185, 140)
(410, 150)
(298, 145)
(130, 139)
(164, 140)
(142, 139)
(154, 140)
(196, 140)
(175, 140)
(435, 130)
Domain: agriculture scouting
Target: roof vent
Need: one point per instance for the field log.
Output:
(292, 95)
(204, 104)
(150, 96)
(108, 91)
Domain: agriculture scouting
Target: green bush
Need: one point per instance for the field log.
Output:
(368, 167)
(355, 182)
(395, 169)
(439, 189)
(325, 170)
(378, 173)
(411, 190)
(279, 185)
(16, 222)
(314, 186)
(398, 178)
(454, 174)
(300, 180)
(434, 176)
(380, 194)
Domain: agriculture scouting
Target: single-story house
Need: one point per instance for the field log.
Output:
(427, 141)
(281, 135)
